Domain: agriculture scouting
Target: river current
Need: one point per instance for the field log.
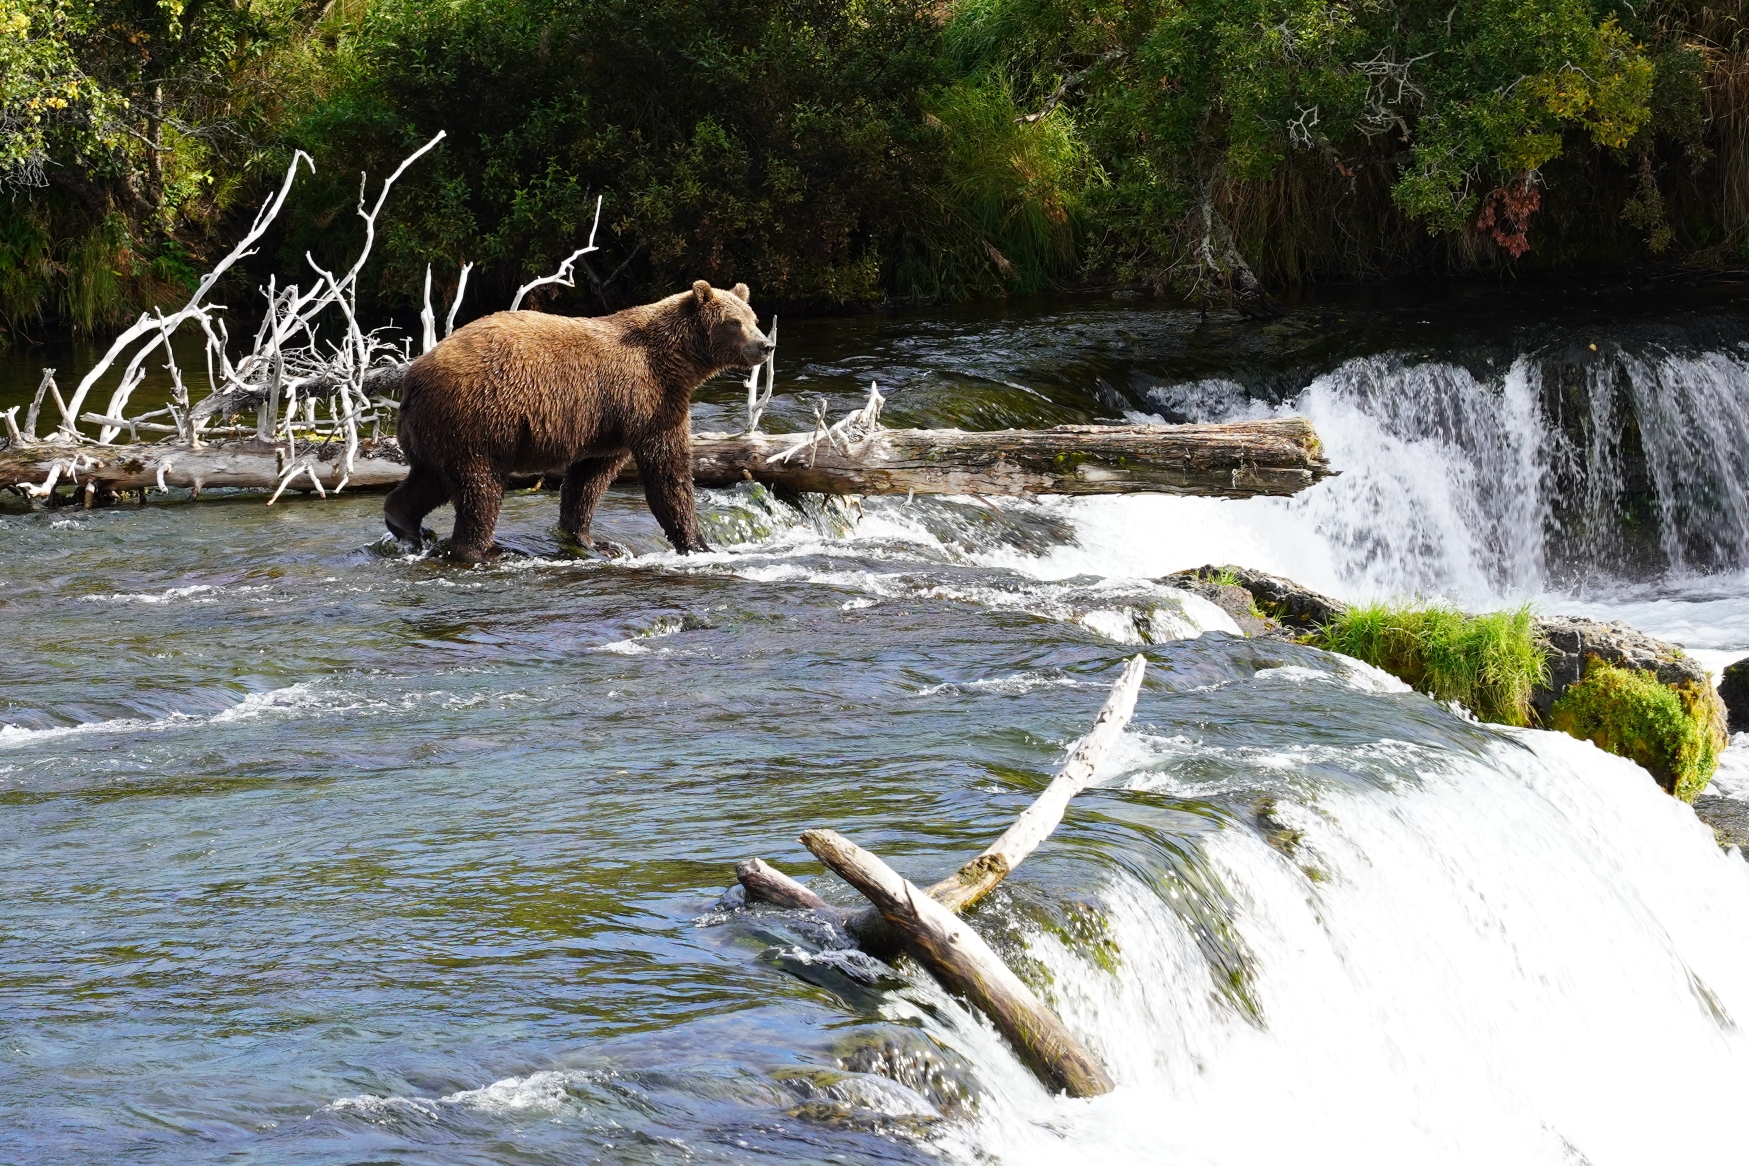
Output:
(319, 852)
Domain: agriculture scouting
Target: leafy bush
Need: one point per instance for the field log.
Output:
(1487, 663)
(1670, 730)
(834, 153)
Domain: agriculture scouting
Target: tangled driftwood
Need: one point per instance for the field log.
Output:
(311, 406)
(925, 924)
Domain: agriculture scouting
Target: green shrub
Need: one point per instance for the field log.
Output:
(1487, 663)
(1672, 731)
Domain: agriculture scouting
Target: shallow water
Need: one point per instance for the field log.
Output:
(321, 853)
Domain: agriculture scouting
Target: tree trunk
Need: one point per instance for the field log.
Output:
(1240, 459)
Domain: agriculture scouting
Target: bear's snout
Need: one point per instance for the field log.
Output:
(756, 350)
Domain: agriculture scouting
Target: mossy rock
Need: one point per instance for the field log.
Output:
(1675, 731)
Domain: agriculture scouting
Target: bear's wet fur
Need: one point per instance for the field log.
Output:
(532, 393)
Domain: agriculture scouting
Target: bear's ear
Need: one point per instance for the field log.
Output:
(742, 293)
(702, 290)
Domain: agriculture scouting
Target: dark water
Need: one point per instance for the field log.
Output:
(320, 853)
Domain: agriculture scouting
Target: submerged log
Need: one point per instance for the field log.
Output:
(923, 923)
(958, 957)
(1239, 459)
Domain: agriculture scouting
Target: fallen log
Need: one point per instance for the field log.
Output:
(964, 963)
(38, 468)
(1239, 459)
(924, 923)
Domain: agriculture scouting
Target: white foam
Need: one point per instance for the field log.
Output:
(303, 699)
(1017, 683)
(547, 1093)
(634, 645)
(1731, 780)
(169, 595)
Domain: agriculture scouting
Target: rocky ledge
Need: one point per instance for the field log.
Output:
(1267, 605)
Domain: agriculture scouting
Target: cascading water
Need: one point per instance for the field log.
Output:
(1550, 474)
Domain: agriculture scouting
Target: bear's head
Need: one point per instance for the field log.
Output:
(733, 336)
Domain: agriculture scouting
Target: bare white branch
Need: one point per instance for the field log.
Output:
(461, 289)
(564, 277)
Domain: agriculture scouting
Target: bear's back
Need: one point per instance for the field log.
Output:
(529, 390)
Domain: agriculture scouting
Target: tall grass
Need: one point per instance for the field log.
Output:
(1487, 663)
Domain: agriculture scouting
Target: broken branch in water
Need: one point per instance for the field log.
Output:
(924, 923)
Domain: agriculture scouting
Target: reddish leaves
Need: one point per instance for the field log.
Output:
(1506, 212)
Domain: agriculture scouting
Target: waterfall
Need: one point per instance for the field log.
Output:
(1548, 473)
(1527, 954)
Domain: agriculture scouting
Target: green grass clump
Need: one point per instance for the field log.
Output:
(1671, 730)
(1487, 663)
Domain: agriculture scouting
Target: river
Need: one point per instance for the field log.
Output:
(322, 853)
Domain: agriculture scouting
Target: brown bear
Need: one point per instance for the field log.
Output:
(531, 393)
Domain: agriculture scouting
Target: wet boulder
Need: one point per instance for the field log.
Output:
(1269, 604)
(1734, 691)
(1728, 817)
(1607, 683)
(1571, 641)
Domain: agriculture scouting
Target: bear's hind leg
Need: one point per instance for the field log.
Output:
(477, 490)
(407, 504)
(665, 465)
(585, 482)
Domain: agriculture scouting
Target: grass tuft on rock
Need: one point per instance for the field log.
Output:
(1487, 663)
(1670, 730)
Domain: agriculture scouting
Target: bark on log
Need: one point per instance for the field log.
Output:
(958, 957)
(1235, 460)
(1238, 459)
(247, 464)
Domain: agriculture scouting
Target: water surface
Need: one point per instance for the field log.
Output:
(323, 853)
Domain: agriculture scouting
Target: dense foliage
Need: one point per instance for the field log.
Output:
(836, 153)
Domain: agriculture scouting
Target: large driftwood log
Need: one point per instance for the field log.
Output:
(958, 957)
(154, 466)
(1236, 460)
(903, 918)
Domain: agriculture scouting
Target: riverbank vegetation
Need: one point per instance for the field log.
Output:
(839, 154)
(1489, 663)
(1496, 664)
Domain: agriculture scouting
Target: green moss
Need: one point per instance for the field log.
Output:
(1672, 730)
(1487, 663)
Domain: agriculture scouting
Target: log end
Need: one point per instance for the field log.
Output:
(764, 883)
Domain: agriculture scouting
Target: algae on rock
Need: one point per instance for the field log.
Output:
(1674, 731)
